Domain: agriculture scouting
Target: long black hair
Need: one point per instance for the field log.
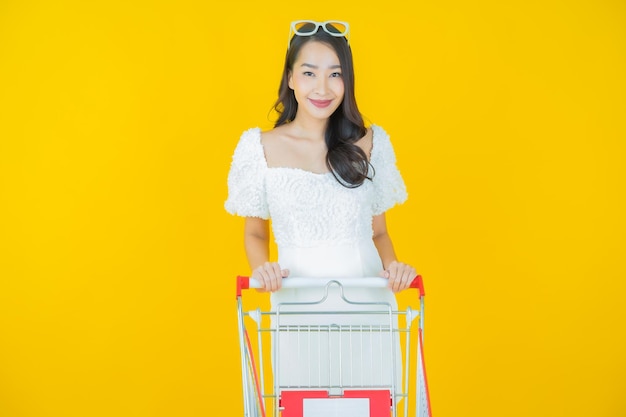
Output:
(347, 161)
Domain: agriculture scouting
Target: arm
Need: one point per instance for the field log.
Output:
(400, 275)
(382, 240)
(257, 244)
(256, 239)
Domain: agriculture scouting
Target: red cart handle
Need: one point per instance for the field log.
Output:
(244, 283)
(418, 283)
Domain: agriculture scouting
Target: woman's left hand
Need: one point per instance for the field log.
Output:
(400, 275)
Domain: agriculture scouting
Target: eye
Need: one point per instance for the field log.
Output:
(335, 74)
(308, 74)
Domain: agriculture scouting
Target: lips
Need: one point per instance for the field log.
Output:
(321, 103)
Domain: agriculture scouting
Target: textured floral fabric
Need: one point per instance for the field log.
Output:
(309, 209)
(323, 230)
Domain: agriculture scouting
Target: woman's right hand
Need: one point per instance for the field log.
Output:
(270, 276)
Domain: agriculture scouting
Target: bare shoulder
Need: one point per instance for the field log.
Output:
(366, 142)
(277, 145)
(275, 135)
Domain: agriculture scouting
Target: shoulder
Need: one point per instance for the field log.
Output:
(280, 145)
(388, 182)
(382, 149)
(379, 134)
(251, 136)
(246, 178)
(249, 143)
(248, 153)
(274, 135)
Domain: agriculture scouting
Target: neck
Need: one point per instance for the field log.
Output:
(310, 128)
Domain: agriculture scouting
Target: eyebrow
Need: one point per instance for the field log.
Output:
(316, 67)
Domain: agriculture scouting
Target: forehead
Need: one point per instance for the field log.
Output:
(317, 53)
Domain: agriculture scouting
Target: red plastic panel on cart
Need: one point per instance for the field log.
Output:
(292, 402)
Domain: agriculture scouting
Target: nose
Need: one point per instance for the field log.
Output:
(322, 86)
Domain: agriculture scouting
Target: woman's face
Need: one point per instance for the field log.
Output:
(317, 81)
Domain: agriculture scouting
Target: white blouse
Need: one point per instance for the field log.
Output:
(309, 209)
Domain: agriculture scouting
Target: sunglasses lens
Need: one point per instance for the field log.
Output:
(305, 28)
(339, 28)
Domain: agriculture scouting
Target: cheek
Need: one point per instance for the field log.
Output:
(300, 83)
(340, 88)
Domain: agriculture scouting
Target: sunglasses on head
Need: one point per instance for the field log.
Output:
(335, 28)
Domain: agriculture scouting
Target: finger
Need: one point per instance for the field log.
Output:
(402, 276)
(399, 277)
(268, 276)
(284, 273)
(410, 275)
(267, 271)
(276, 276)
(392, 271)
(406, 278)
(396, 271)
(262, 278)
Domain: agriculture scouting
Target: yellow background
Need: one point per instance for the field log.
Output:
(117, 124)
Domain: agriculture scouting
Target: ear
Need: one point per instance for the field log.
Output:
(290, 79)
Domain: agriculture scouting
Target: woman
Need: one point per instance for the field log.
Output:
(323, 178)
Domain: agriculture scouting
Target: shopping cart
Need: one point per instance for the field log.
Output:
(306, 360)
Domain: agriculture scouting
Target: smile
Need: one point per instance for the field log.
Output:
(321, 103)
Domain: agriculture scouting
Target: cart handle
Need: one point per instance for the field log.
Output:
(244, 283)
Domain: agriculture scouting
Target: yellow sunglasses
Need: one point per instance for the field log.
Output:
(335, 28)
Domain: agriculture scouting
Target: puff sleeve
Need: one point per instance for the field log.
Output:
(389, 187)
(246, 178)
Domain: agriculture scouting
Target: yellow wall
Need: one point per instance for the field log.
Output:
(117, 123)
